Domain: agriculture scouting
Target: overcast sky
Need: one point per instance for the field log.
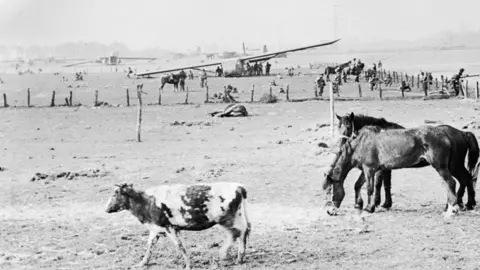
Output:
(184, 24)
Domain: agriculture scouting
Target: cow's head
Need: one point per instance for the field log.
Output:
(120, 198)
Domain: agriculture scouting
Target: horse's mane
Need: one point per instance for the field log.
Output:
(360, 121)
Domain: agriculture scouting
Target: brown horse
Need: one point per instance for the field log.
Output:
(374, 150)
(174, 79)
(464, 141)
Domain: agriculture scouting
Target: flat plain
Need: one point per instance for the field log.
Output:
(60, 223)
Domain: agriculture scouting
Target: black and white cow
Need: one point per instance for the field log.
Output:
(169, 209)
(232, 110)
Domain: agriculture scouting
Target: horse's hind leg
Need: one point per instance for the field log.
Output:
(466, 180)
(387, 186)
(449, 183)
(370, 177)
(358, 196)
(378, 187)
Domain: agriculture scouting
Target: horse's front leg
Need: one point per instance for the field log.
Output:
(358, 194)
(387, 186)
(379, 176)
(370, 177)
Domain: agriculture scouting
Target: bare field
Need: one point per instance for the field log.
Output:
(61, 224)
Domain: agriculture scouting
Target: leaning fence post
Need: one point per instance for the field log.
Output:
(52, 102)
(5, 104)
(66, 101)
(139, 115)
(252, 93)
(359, 90)
(288, 92)
(71, 98)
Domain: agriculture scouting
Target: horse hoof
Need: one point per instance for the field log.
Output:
(387, 205)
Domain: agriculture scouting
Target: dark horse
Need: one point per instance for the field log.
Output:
(333, 70)
(375, 149)
(357, 70)
(174, 79)
(464, 141)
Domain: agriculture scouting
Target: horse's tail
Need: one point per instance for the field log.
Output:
(473, 151)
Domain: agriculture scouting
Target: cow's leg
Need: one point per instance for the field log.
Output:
(173, 235)
(229, 239)
(155, 232)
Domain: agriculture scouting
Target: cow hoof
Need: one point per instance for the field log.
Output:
(369, 209)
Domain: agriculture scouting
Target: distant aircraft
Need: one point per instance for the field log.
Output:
(111, 60)
(235, 67)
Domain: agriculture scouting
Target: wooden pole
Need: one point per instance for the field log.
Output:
(52, 102)
(477, 93)
(66, 101)
(28, 97)
(95, 104)
(186, 96)
(128, 97)
(288, 92)
(71, 98)
(332, 112)
(380, 90)
(413, 81)
(359, 90)
(271, 93)
(436, 83)
(139, 115)
(418, 81)
(252, 93)
(5, 104)
(206, 94)
(466, 89)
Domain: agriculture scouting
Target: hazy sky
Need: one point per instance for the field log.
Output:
(184, 24)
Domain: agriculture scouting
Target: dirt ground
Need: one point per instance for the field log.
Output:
(62, 224)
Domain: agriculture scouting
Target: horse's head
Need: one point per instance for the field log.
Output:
(346, 127)
(335, 177)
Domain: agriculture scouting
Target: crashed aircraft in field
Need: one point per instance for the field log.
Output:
(235, 67)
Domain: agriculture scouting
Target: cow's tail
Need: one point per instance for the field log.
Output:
(473, 154)
(243, 211)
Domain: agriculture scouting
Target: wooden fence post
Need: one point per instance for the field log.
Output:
(436, 83)
(288, 92)
(66, 101)
(95, 104)
(186, 96)
(332, 112)
(52, 102)
(418, 81)
(70, 100)
(466, 89)
(477, 92)
(252, 93)
(28, 97)
(206, 94)
(5, 104)
(413, 81)
(270, 93)
(139, 115)
(380, 90)
(128, 97)
(359, 90)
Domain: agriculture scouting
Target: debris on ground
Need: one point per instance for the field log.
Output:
(472, 125)
(191, 123)
(89, 173)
